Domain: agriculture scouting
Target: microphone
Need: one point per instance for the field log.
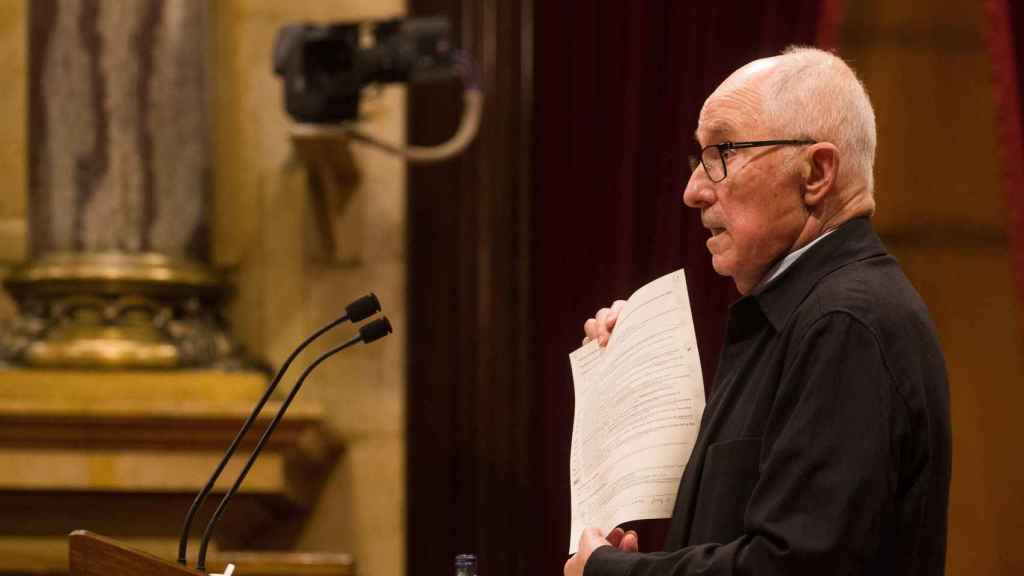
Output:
(372, 331)
(356, 311)
(375, 330)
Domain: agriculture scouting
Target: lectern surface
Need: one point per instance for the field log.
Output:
(94, 555)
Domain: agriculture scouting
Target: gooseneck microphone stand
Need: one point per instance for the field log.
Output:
(358, 310)
(372, 331)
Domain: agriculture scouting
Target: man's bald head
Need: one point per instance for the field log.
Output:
(811, 93)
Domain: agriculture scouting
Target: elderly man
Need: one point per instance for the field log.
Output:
(825, 446)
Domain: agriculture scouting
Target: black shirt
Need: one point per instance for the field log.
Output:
(825, 445)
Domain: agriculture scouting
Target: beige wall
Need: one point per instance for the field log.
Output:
(266, 232)
(288, 283)
(13, 119)
(942, 211)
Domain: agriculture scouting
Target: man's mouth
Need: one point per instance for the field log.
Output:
(716, 231)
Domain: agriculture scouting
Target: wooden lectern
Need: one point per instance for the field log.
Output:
(94, 555)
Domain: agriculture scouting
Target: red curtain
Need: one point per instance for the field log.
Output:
(619, 86)
(1005, 37)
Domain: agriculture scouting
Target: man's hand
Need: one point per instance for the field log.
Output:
(592, 539)
(600, 326)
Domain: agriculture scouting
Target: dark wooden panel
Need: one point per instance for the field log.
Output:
(469, 371)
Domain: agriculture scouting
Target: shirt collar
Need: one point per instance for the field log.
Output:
(789, 284)
(779, 267)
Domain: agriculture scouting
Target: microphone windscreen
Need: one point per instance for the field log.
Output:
(379, 328)
(363, 308)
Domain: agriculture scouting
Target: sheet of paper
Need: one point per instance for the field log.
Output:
(638, 407)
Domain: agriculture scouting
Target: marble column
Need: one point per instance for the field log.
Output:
(119, 127)
(119, 189)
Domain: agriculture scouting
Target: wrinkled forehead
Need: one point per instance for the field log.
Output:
(733, 110)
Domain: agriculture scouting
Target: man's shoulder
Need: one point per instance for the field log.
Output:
(874, 291)
(876, 294)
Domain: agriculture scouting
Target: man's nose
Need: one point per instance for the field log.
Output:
(698, 192)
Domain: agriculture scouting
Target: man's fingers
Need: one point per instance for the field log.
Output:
(625, 541)
(606, 323)
(602, 325)
(601, 319)
(615, 537)
(630, 542)
(613, 315)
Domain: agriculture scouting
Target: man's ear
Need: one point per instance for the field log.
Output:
(819, 172)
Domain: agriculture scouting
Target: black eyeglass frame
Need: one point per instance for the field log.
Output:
(737, 146)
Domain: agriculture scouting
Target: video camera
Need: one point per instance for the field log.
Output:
(324, 67)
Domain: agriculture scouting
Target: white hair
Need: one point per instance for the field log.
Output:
(814, 94)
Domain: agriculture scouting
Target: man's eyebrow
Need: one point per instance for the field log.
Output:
(712, 129)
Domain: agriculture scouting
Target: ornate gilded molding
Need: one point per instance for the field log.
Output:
(116, 310)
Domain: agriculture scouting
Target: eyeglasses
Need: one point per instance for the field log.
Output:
(712, 156)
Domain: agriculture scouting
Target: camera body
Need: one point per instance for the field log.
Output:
(324, 68)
